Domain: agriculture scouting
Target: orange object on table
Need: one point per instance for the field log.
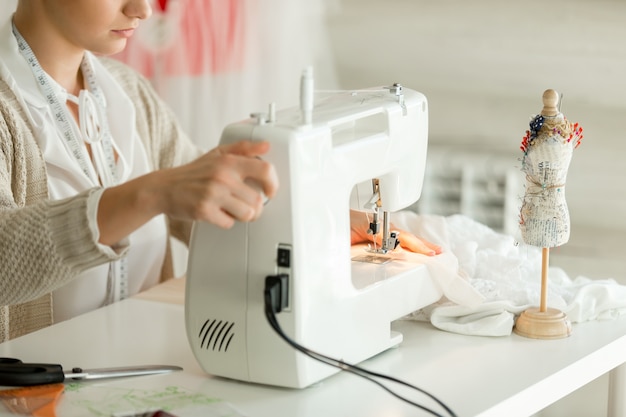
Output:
(36, 401)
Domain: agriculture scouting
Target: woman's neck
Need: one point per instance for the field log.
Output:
(58, 58)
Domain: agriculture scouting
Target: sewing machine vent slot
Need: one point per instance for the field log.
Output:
(216, 335)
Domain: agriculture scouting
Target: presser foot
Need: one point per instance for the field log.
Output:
(372, 258)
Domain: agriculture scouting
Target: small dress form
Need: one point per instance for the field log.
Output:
(544, 217)
(548, 148)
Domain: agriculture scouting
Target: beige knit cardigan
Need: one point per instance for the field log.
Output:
(45, 244)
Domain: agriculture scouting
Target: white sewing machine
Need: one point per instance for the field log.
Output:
(364, 150)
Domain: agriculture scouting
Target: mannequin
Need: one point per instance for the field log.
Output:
(544, 216)
(548, 148)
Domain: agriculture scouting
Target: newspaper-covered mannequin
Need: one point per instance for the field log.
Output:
(548, 148)
(544, 216)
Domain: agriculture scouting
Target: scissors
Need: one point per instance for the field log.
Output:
(14, 372)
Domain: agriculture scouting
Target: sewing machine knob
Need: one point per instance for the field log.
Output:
(259, 118)
(271, 113)
(395, 89)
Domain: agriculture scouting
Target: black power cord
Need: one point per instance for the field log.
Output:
(275, 296)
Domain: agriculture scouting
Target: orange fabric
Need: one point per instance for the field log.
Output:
(37, 401)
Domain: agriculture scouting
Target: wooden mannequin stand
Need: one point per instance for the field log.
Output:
(544, 218)
(543, 322)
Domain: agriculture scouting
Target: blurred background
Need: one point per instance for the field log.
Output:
(483, 66)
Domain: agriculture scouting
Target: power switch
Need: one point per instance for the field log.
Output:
(283, 257)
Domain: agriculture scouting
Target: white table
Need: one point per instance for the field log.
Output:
(476, 376)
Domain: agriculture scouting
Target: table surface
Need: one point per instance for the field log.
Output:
(476, 376)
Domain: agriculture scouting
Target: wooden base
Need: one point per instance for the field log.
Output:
(550, 324)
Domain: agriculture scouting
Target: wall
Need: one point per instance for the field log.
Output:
(484, 66)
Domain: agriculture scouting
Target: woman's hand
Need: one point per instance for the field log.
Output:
(227, 184)
(359, 225)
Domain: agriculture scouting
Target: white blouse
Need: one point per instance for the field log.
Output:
(66, 178)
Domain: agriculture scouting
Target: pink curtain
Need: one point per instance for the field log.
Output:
(190, 37)
(217, 61)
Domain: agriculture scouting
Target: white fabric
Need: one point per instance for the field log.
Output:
(66, 178)
(505, 274)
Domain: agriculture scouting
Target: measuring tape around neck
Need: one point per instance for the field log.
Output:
(102, 145)
(94, 128)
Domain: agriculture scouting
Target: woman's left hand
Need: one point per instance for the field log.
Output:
(358, 234)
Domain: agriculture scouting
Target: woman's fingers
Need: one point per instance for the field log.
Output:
(227, 184)
(411, 242)
(261, 174)
(359, 224)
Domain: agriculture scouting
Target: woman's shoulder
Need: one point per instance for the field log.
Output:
(7, 96)
(10, 108)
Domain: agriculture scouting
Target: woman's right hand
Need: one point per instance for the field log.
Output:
(225, 185)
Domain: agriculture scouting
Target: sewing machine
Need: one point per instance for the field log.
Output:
(363, 150)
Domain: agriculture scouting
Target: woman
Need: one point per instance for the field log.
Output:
(95, 173)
